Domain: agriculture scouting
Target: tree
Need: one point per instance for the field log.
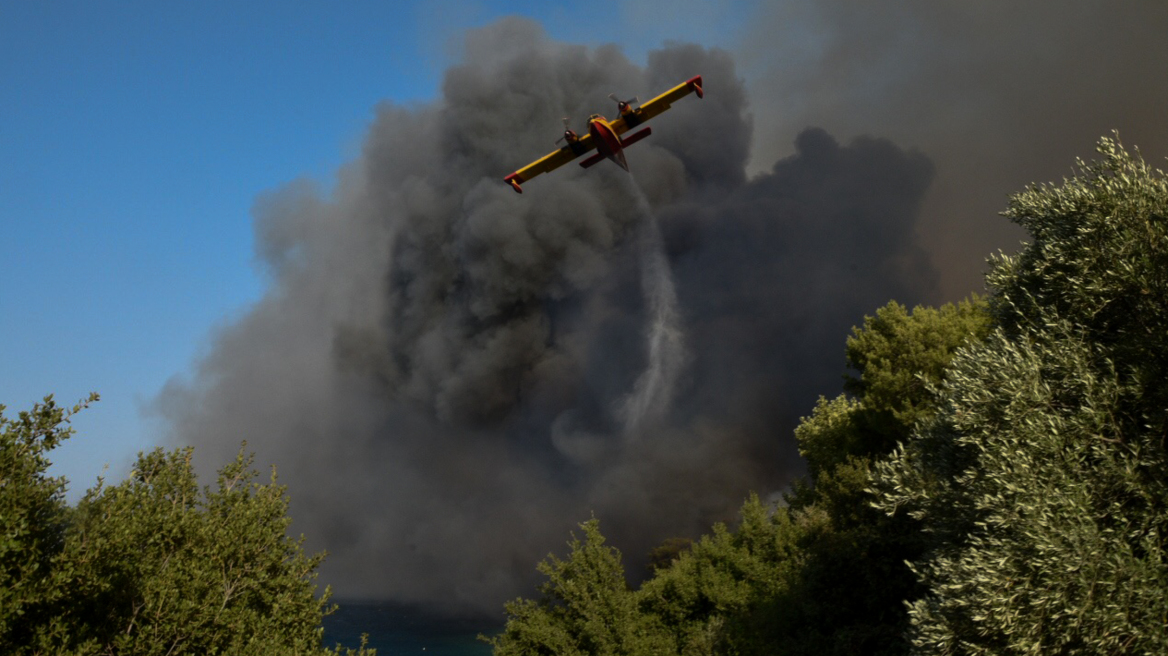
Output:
(897, 355)
(32, 518)
(667, 553)
(851, 587)
(1043, 479)
(586, 607)
(153, 565)
(717, 597)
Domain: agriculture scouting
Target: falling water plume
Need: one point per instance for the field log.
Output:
(653, 392)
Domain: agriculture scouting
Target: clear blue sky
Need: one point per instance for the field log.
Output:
(135, 136)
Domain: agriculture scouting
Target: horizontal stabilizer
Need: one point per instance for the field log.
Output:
(592, 160)
(634, 138)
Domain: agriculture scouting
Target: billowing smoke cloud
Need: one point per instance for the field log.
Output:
(998, 94)
(449, 376)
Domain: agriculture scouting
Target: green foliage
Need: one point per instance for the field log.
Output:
(828, 437)
(1043, 479)
(586, 607)
(704, 603)
(898, 356)
(32, 518)
(852, 584)
(718, 596)
(668, 552)
(186, 572)
(153, 565)
(1099, 257)
(1053, 530)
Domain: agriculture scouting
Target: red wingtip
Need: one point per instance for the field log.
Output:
(696, 83)
(514, 182)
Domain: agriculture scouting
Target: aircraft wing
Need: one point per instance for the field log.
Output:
(658, 105)
(551, 161)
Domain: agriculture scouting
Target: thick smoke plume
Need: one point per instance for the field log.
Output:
(449, 376)
(998, 94)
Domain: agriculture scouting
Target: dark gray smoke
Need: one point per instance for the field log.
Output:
(441, 368)
(998, 94)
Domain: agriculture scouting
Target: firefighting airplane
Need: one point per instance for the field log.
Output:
(604, 135)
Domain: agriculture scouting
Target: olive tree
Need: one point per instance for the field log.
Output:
(1043, 478)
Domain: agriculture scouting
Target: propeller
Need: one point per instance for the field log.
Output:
(623, 103)
(567, 129)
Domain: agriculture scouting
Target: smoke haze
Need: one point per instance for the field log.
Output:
(998, 94)
(450, 376)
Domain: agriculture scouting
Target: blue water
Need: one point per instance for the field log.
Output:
(397, 629)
